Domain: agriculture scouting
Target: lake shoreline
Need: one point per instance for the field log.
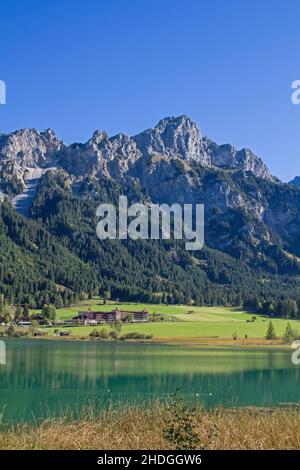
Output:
(252, 343)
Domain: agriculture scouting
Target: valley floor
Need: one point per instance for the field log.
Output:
(184, 324)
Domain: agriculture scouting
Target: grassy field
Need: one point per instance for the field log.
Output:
(182, 321)
(143, 428)
(182, 312)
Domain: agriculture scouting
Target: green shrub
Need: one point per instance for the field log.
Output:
(180, 425)
(94, 334)
(135, 335)
(113, 334)
(103, 334)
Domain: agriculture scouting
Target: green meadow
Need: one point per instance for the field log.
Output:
(182, 321)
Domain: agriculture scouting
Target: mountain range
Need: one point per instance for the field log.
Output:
(50, 192)
(26, 152)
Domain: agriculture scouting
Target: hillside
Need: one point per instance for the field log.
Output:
(252, 220)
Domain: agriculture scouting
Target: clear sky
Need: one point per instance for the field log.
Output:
(122, 65)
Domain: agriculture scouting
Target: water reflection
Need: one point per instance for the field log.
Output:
(47, 376)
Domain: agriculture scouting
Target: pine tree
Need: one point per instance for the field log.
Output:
(270, 334)
(289, 335)
(31, 302)
(26, 311)
(1, 303)
(18, 312)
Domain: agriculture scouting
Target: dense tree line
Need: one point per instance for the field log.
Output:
(283, 307)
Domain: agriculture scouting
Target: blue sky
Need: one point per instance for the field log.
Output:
(121, 65)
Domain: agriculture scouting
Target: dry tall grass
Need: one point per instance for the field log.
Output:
(137, 428)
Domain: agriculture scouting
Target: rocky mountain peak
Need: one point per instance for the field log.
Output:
(98, 136)
(49, 134)
(27, 149)
(181, 123)
(173, 137)
(296, 182)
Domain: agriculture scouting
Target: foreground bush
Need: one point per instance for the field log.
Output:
(135, 335)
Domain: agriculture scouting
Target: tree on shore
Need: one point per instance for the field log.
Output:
(271, 333)
(289, 335)
(49, 312)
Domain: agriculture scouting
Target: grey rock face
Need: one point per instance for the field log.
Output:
(28, 148)
(228, 157)
(100, 156)
(174, 137)
(80, 159)
(121, 155)
(161, 159)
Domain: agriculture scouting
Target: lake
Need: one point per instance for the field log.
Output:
(44, 377)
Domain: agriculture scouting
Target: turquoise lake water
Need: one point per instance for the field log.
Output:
(44, 377)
